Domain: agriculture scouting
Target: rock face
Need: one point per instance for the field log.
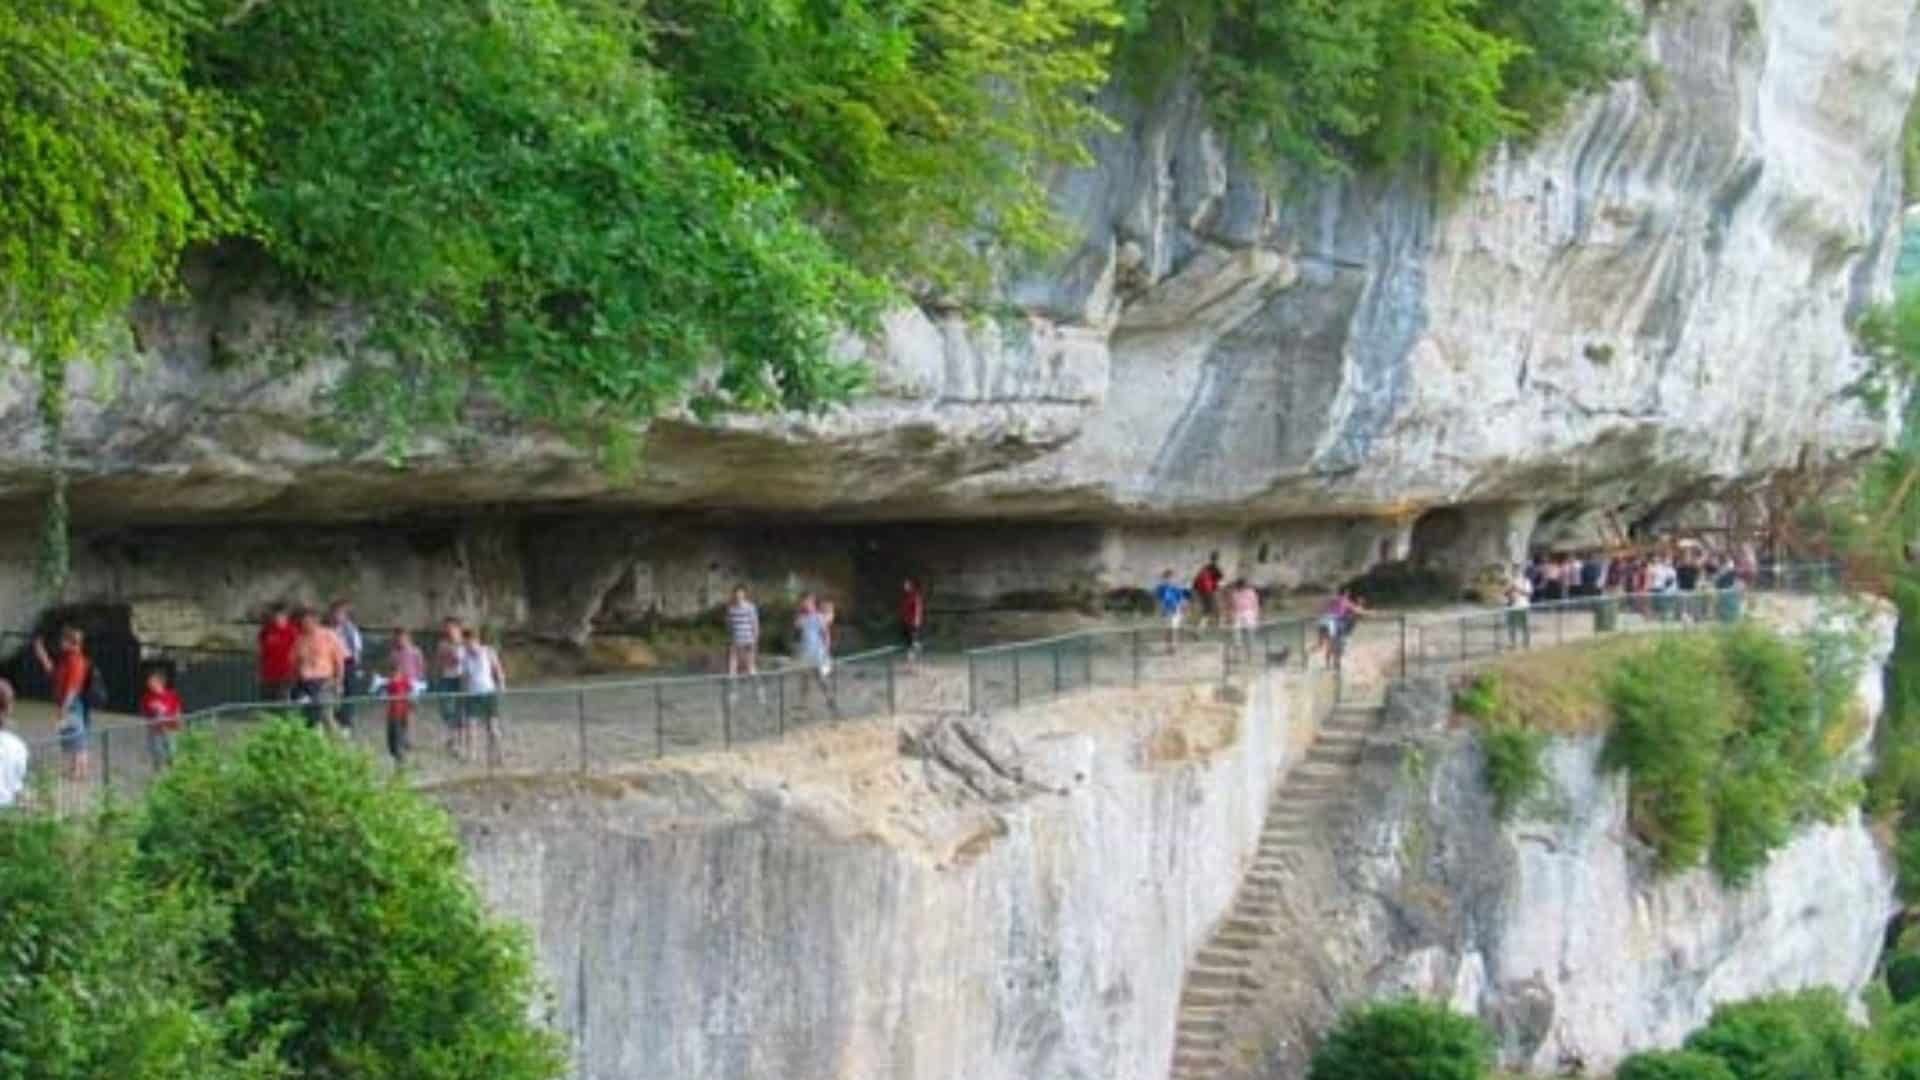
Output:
(1021, 898)
(1652, 298)
(1648, 303)
(993, 902)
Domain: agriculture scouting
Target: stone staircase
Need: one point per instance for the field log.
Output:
(1222, 980)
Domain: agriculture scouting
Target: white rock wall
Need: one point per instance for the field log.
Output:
(858, 917)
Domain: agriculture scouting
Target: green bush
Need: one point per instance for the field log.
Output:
(352, 930)
(1382, 83)
(1673, 1065)
(100, 973)
(1804, 1036)
(1403, 1040)
(1480, 697)
(1516, 769)
(1725, 737)
(1903, 976)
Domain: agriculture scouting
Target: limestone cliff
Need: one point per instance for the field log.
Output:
(1653, 297)
(1021, 899)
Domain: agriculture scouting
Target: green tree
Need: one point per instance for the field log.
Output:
(1569, 47)
(354, 931)
(110, 166)
(509, 190)
(100, 974)
(1403, 1040)
(1440, 95)
(1804, 1036)
(919, 132)
(1673, 1065)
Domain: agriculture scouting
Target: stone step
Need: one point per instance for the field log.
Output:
(1218, 959)
(1237, 942)
(1209, 1063)
(1338, 754)
(1204, 997)
(1203, 979)
(1239, 925)
(1262, 913)
(1192, 1033)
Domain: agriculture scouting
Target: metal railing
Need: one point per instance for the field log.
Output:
(1015, 675)
(579, 728)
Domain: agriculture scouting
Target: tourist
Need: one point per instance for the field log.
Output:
(1553, 582)
(1337, 621)
(71, 675)
(1172, 600)
(1245, 603)
(827, 617)
(340, 621)
(913, 619)
(1727, 585)
(160, 704)
(13, 754)
(401, 685)
(405, 658)
(1664, 583)
(814, 635)
(1593, 575)
(1206, 590)
(482, 680)
(447, 655)
(1519, 621)
(319, 661)
(277, 637)
(743, 634)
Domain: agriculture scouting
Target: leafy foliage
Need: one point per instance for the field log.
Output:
(1332, 84)
(1516, 769)
(506, 188)
(353, 930)
(898, 121)
(1804, 1036)
(1729, 741)
(110, 165)
(1673, 1065)
(98, 970)
(1403, 1040)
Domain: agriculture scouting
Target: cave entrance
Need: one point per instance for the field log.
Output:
(1437, 536)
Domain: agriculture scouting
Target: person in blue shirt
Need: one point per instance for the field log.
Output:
(1172, 600)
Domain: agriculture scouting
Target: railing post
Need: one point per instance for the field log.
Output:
(780, 701)
(659, 723)
(1016, 677)
(106, 761)
(1089, 655)
(726, 712)
(580, 712)
(1463, 640)
(1134, 634)
(1560, 623)
(893, 704)
(1055, 650)
(1403, 645)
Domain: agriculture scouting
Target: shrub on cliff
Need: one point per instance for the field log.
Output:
(1673, 1065)
(1804, 1036)
(1403, 1040)
(352, 930)
(100, 973)
(1730, 740)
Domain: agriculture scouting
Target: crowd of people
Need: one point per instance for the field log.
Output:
(1685, 583)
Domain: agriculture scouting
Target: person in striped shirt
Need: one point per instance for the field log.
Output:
(743, 634)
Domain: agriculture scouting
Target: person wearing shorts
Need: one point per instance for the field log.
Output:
(481, 680)
(1206, 590)
(1245, 603)
(320, 662)
(160, 704)
(1172, 602)
(447, 659)
(743, 634)
(70, 674)
(813, 628)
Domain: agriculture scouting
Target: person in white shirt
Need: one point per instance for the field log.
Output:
(13, 753)
(1519, 599)
(481, 680)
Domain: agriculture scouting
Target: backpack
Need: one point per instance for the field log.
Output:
(96, 687)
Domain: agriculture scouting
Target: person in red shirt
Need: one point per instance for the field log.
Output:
(160, 704)
(1206, 589)
(278, 636)
(913, 618)
(400, 688)
(70, 677)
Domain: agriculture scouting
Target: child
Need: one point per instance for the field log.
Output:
(1173, 604)
(160, 704)
(1245, 600)
(400, 687)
